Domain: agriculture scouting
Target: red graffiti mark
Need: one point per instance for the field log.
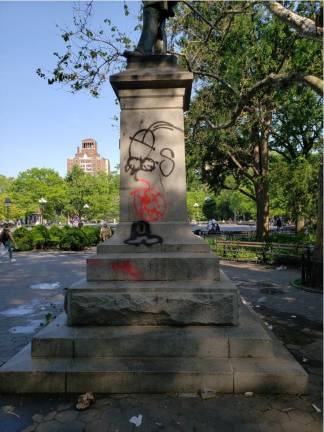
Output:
(94, 262)
(127, 267)
(148, 204)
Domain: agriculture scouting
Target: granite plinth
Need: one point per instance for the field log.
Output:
(152, 302)
(142, 360)
(248, 340)
(180, 266)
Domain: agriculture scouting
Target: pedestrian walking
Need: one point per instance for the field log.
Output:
(278, 224)
(8, 241)
(105, 232)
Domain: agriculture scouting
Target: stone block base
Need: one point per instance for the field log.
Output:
(154, 360)
(152, 303)
(164, 266)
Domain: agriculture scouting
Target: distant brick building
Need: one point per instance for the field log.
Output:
(88, 158)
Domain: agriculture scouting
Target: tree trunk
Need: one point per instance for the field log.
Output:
(261, 167)
(262, 207)
(235, 215)
(300, 224)
(317, 264)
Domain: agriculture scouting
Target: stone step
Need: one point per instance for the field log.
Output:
(24, 374)
(152, 303)
(171, 266)
(248, 340)
(116, 247)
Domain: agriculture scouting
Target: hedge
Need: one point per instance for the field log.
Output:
(66, 238)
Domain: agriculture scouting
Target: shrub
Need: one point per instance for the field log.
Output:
(55, 235)
(40, 237)
(92, 234)
(73, 239)
(23, 239)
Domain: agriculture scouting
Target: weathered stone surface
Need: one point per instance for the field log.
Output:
(157, 341)
(22, 375)
(127, 309)
(156, 303)
(169, 266)
(269, 375)
(153, 370)
(150, 375)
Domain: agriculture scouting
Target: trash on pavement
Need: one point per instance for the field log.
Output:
(282, 267)
(248, 394)
(208, 394)
(84, 401)
(187, 395)
(9, 409)
(137, 421)
(270, 327)
(262, 299)
(316, 408)
(46, 286)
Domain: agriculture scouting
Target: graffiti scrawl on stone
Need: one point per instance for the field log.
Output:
(145, 155)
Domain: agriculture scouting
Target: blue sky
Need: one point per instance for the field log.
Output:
(42, 125)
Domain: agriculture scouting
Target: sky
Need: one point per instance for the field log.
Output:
(41, 125)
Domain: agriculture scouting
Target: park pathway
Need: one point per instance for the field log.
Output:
(31, 291)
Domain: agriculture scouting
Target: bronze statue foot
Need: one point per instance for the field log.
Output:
(135, 53)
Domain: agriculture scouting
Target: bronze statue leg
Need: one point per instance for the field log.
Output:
(152, 20)
(160, 46)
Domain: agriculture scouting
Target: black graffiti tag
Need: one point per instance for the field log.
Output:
(142, 149)
(141, 234)
(167, 165)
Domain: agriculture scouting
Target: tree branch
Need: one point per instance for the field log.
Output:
(216, 78)
(304, 26)
(247, 194)
(271, 80)
(242, 191)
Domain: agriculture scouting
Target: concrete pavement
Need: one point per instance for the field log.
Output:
(295, 317)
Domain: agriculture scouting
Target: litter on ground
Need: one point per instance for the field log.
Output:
(136, 420)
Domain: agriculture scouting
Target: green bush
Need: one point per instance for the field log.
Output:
(300, 238)
(40, 236)
(73, 239)
(92, 234)
(55, 235)
(23, 239)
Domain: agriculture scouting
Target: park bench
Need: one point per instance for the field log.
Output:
(264, 251)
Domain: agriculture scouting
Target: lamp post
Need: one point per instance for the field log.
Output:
(7, 203)
(196, 206)
(86, 208)
(42, 201)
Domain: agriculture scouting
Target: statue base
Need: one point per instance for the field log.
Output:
(154, 359)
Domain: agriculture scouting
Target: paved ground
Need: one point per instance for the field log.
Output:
(295, 316)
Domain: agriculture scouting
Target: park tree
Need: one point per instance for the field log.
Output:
(244, 63)
(209, 208)
(293, 188)
(79, 191)
(195, 202)
(5, 192)
(104, 199)
(297, 137)
(93, 197)
(243, 56)
(36, 183)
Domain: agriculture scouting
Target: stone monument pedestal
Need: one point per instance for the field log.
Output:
(155, 313)
(154, 270)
